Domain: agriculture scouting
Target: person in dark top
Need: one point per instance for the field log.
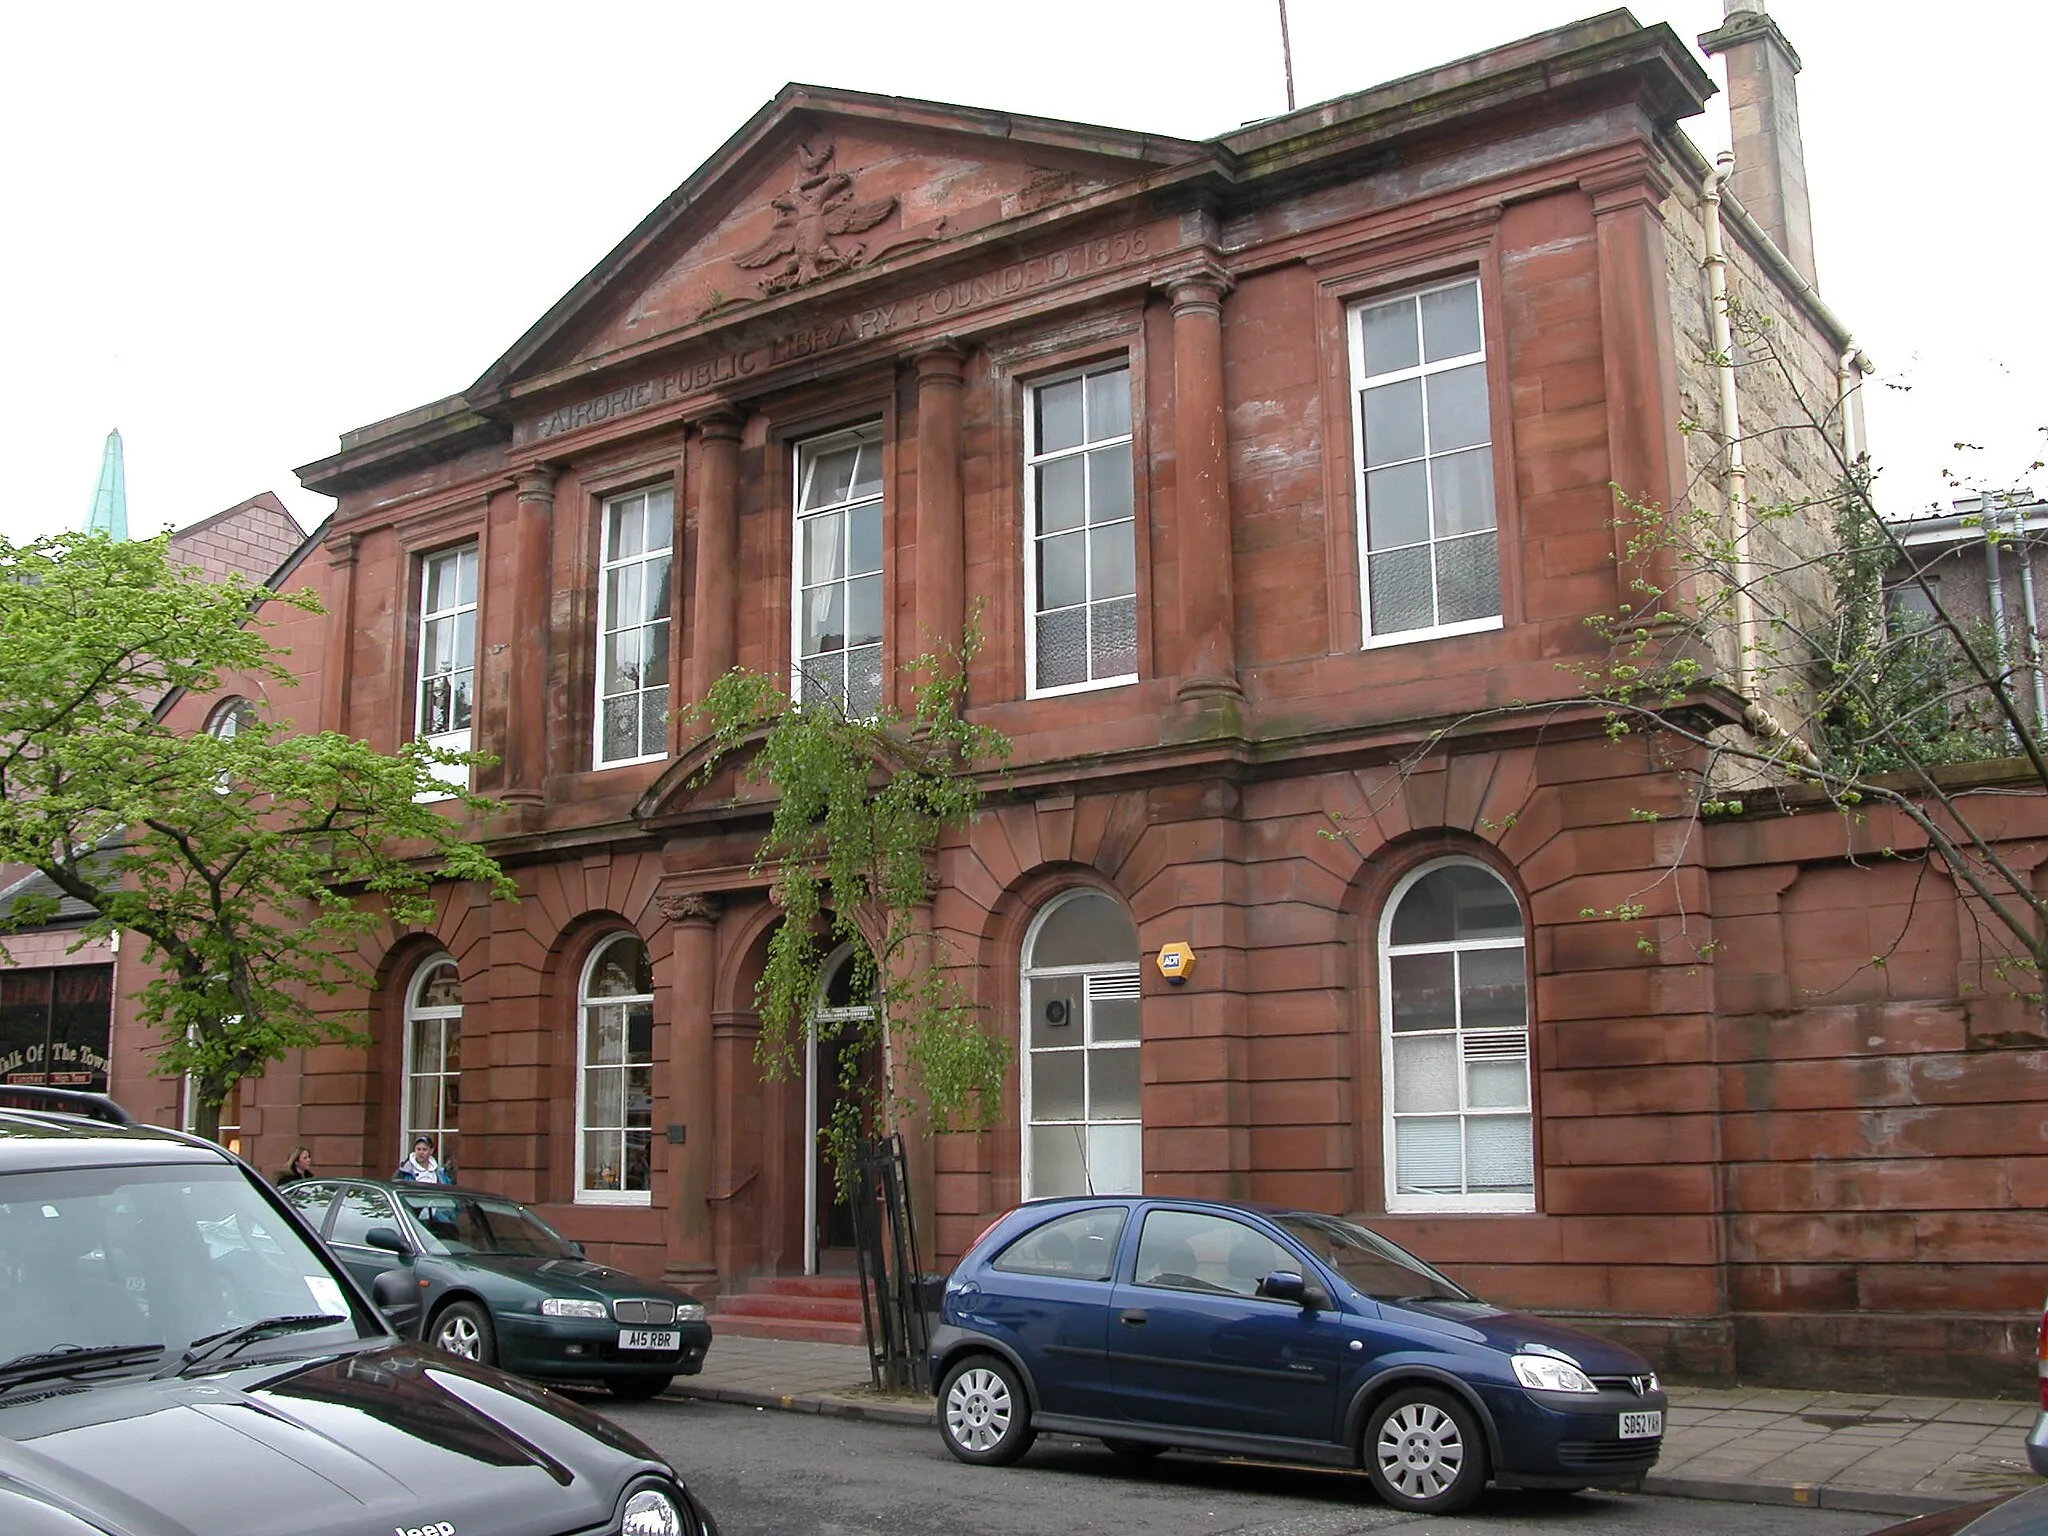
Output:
(300, 1167)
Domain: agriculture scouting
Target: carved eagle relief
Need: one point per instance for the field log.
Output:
(812, 221)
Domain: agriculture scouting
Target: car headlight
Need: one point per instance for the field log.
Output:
(1547, 1373)
(690, 1313)
(560, 1306)
(651, 1512)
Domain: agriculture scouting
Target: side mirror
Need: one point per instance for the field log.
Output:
(1286, 1285)
(397, 1298)
(386, 1238)
(1283, 1285)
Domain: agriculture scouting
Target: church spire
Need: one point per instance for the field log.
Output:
(110, 498)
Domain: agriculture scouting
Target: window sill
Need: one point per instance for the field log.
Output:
(1439, 632)
(1462, 1205)
(614, 1197)
(629, 762)
(1094, 685)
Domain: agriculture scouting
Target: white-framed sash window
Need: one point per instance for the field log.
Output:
(1428, 535)
(615, 1075)
(1080, 555)
(447, 656)
(1083, 1121)
(633, 626)
(836, 622)
(433, 1059)
(1454, 1016)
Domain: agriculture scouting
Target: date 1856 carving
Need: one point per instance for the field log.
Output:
(817, 211)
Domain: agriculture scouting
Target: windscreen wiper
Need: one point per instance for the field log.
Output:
(53, 1364)
(213, 1346)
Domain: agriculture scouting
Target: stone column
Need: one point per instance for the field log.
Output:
(526, 729)
(1208, 615)
(690, 1069)
(714, 625)
(941, 520)
(341, 633)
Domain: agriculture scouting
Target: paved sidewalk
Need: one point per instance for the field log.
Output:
(1839, 1450)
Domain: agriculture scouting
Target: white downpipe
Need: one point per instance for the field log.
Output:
(2026, 554)
(1849, 379)
(1730, 425)
(1754, 714)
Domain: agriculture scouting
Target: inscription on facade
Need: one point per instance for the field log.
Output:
(951, 299)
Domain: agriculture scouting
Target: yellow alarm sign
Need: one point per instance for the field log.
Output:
(1176, 962)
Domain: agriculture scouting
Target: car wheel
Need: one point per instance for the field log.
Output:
(1135, 1450)
(463, 1329)
(637, 1389)
(1424, 1451)
(983, 1415)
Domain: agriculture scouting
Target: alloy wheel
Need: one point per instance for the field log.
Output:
(458, 1335)
(978, 1409)
(1421, 1450)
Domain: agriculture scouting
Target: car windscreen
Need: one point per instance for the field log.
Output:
(1379, 1268)
(165, 1255)
(472, 1224)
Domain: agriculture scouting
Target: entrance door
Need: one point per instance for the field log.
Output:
(842, 1069)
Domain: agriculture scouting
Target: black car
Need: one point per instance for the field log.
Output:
(490, 1281)
(179, 1354)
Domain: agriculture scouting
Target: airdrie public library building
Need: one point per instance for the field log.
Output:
(1257, 460)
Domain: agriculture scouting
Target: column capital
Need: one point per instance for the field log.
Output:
(720, 422)
(1195, 286)
(341, 549)
(536, 482)
(691, 907)
(943, 363)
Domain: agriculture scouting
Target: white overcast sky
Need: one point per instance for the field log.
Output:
(235, 231)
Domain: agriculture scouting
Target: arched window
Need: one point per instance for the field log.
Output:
(433, 1063)
(1083, 1133)
(615, 1074)
(1455, 1043)
(230, 718)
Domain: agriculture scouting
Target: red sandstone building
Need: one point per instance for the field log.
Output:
(1261, 458)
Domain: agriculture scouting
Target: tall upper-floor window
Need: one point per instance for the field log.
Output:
(1080, 557)
(633, 625)
(615, 1074)
(1083, 1129)
(837, 624)
(1454, 1013)
(447, 659)
(1429, 549)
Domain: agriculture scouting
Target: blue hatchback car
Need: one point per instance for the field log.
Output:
(1287, 1335)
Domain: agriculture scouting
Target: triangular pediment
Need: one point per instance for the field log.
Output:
(819, 184)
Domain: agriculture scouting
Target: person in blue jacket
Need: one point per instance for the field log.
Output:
(423, 1167)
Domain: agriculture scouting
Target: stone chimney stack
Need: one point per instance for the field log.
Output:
(1763, 111)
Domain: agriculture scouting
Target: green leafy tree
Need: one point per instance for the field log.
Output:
(252, 865)
(861, 807)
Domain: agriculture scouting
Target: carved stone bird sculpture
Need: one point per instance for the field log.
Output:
(816, 212)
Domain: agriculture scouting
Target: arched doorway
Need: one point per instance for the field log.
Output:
(841, 1075)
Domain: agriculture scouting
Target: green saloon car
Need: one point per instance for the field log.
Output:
(498, 1285)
